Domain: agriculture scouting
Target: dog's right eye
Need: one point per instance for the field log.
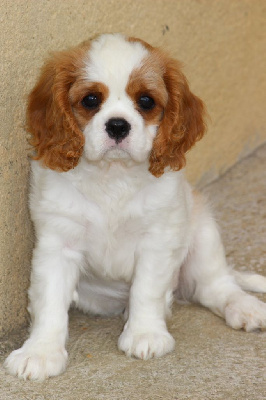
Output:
(91, 101)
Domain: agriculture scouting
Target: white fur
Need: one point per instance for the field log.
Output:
(110, 61)
(111, 238)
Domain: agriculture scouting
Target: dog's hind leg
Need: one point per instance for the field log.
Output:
(206, 278)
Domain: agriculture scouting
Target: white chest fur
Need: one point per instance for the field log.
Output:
(106, 212)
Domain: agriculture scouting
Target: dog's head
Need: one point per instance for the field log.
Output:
(114, 98)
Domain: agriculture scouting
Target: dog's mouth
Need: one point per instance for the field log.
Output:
(116, 153)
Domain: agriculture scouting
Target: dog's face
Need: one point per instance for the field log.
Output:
(117, 106)
(114, 98)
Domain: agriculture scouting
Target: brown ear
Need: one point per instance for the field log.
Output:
(56, 137)
(181, 126)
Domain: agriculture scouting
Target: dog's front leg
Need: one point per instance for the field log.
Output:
(53, 281)
(145, 334)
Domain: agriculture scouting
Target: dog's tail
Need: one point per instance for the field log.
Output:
(250, 281)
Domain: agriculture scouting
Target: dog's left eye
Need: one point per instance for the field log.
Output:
(146, 103)
(91, 101)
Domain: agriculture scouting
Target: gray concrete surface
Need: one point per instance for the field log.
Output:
(210, 361)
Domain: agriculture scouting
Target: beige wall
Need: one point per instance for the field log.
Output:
(222, 44)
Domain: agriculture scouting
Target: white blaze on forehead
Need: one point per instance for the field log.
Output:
(111, 60)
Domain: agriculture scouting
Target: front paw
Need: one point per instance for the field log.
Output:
(36, 362)
(147, 344)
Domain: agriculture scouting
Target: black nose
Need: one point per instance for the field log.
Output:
(117, 129)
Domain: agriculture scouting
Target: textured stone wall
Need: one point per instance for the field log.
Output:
(222, 45)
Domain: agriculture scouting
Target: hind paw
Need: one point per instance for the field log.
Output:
(246, 312)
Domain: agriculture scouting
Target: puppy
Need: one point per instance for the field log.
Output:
(118, 227)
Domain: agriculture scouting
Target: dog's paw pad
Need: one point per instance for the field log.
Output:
(36, 365)
(246, 313)
(146, 345)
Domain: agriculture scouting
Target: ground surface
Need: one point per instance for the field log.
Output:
(210, 361)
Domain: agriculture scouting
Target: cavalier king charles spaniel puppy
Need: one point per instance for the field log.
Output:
(118, 227)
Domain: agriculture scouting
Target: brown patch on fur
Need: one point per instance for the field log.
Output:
(148, 81)
(144, 44)
(78, 91)
(183, 122)
(183, 112)
(56, 136)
